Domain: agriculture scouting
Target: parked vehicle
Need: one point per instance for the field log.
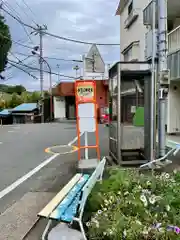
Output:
(104, 115)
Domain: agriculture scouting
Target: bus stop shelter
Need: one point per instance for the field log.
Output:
(122, 81)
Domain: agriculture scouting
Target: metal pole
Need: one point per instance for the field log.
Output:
(41, 74)
(85, 134)
(84, 72)
(153, 85)
(51, 96)
(119, 113)
(162, 31)
(86, 144)
(50, 85)
(58, 66)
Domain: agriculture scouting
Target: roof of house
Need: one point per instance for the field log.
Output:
(5, 112)
(25, 107)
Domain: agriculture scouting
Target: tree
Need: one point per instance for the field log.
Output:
(15, 100)
(19, 89)
(26, 97)
(35, 97)
(5, 43)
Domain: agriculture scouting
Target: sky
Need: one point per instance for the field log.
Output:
(84, 20)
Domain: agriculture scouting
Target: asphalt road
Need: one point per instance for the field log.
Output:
(22, 149)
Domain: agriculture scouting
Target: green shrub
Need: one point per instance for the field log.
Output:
(129, 205)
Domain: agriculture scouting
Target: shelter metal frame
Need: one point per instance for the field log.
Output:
(129, 75)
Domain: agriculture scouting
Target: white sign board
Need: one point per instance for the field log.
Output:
(87, 122)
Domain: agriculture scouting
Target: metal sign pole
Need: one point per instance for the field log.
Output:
(85, 133)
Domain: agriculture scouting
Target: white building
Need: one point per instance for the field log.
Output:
(135, 30)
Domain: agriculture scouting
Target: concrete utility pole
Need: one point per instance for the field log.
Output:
(40, 30)
(41, 73)
(153, 84)
(163, 74)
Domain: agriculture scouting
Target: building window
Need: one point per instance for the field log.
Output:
(128, 55)
(130, 8)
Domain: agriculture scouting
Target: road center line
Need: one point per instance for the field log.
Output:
(18, 182)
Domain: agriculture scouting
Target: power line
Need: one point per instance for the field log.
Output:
(20, 44)
(54, 58)
(78, 41)
(59, 37)
(29, 8)
(21, 61)
(20, 21)
(25, 11)
(16, 42)
(37, 69)
(23, 70)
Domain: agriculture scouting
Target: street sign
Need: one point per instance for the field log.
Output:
(86, 115)
(94, 62)
(85, 91)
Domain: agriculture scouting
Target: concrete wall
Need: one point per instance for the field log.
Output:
(137, 30)
(59, 107)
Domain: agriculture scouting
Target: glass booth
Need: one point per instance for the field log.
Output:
(129, 108)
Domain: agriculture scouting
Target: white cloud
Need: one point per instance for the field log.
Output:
(91, 21)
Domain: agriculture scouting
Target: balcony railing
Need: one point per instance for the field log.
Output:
(173, 65)
(174, 40)
(131, 18)
(148, 15)
(174, 53)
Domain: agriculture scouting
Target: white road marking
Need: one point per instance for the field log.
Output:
(74, 140)
(21, 180)
(11, 131)
(1, 143)
(16, 127)
(14, 185)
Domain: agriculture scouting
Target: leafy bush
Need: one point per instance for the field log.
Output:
(130, 205)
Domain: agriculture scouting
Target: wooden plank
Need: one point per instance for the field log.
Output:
(48, 209)
(68, 200)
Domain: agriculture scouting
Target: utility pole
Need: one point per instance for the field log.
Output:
(153, 85)
(93, 62)
(76, 68)
(163, 74)
(58, 66)
(40, 30)
(41, 73)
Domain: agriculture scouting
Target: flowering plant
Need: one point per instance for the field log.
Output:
(130, 205)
